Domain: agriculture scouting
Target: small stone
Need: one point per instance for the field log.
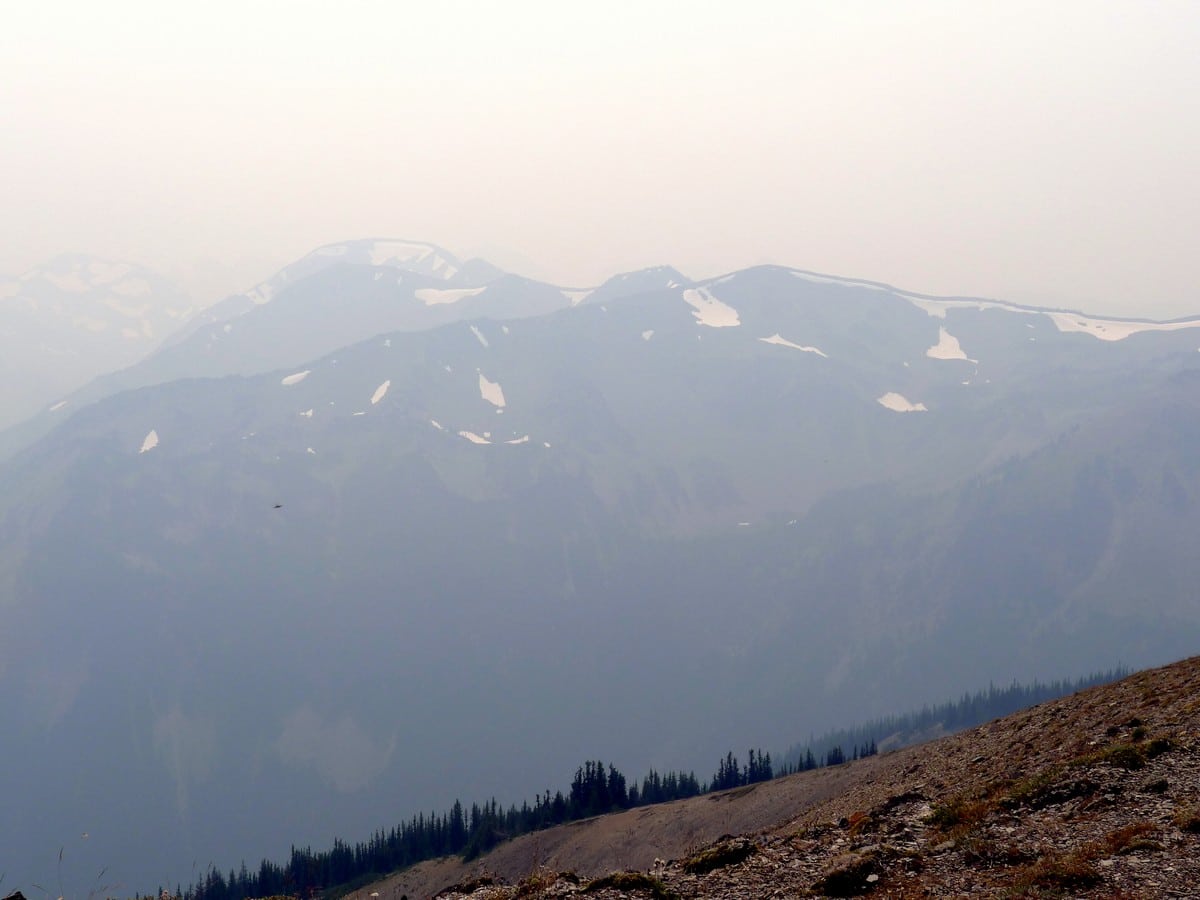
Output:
(872, 878)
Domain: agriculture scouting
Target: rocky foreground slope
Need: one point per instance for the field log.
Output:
(1093, 795)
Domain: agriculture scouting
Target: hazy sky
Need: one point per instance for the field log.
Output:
(1039, 152)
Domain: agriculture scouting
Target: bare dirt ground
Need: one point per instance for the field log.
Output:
(1094, 795)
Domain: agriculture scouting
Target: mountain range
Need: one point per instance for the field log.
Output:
(391, 528)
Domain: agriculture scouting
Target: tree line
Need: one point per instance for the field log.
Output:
(954, 715)
(596, 789)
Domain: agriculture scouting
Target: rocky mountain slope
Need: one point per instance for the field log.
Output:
(1093, 795)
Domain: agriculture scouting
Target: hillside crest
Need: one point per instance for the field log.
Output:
(1092, 795)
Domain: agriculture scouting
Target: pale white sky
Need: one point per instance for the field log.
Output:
(1038, 152)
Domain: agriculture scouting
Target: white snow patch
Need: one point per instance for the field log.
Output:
(473, 437)
(295, 378)
(520, 440)
(1112, 329)
(448, 369)
(577, 297)
(227, 328)
(709, 310)
(436, 424)
(829, 279)
(440, 296)
(378, 275)
(546, 444)
(307, 414)
(781, 341)
(479, 334)
(938, 308)
(947, 347)
(387, 342)
(647, 334)
(504, 328)
(312, 451)
(491, 391)
(261, 294)
(59, 405)
(899, 403)
(380, 391)
(384, 252)
(150, 442)
(359, 413)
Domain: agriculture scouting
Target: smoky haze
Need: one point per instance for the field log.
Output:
(1042, 154)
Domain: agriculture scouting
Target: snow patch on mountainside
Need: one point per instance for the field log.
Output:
(520, 440)
(479, 334)
(829, 279)
(947, 347)
(899, 403)
(647, 334)
(780, 341)
(710, 311)
(577, 297)
(295, 378)
(380, 392)
(439, 296)
(1112, 329)
(385, 252)
(150, 442)
(1066, 322)
(473, 437)
(491, 391)
(59, 405)
(937, 308)
(261, 294)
